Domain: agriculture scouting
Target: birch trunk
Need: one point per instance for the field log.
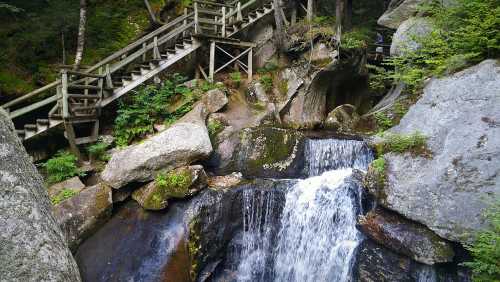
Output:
(81, 34)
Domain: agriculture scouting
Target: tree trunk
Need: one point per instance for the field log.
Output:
(348, 15)
(339, 13)
(152, 16)
(280, 32)
(81, 34)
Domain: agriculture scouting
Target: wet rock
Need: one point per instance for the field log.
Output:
(447, 193)
(258, 93)
(408, 32)
(74, 184)
(180, 183)
(270, 152)
(181, 144)
(122, 195)
(82, 214)
(406, 237)
(343, 118)
(32, 245)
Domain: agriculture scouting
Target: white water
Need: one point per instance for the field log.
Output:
(317, 236)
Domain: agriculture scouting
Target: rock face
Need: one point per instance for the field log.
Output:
(180, 183)
(449, 192)
(270, 152)
(80, 215)
(179, 145)
(398, 12)
(214, 100)
(404, 38)
(32, 246)
(406, 237)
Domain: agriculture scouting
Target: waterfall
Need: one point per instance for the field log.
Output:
(315, 237)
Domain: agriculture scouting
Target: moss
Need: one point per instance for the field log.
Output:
(275, 147)
(383, 121)
(415, 143)
(63, 196)
(379, 166)
(214, 127)
(194, 248)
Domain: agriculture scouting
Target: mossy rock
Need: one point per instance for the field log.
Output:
(271, 152)
(179, 183)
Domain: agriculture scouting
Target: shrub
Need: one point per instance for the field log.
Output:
(141, 111)
(61, 167)
(214, 127)
(463, 34)
(97, 151)
(174, 183)
(486, 250)
(415, 143)
(62, 196)
(383, 121)
(236, 78)
(267, 82)
(268, 68)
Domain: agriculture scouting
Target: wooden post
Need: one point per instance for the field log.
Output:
(156, 50)
(310, 10)
(211, 73)
(239, 15)
(185, 21)
(144, 46)
(250, 65)
(109, 80)
(64, 92)
(196, 19)
(223, 21)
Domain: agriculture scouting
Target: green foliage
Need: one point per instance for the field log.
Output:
(236, 78)
(214, 128)
(355, 39)
(62, 196)
(138, 114)
(61, 167)
(400, 143)
(383, 121)
(486, 250)
(97, 151)
(324, 20)
(267, 82)
(379, 165)
(463, 34)
(400, 109)
(378, 79)
(268, 68)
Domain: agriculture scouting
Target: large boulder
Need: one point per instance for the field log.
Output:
(449, 192)
(82, 214)
(406, 237)
(270, 152)
(179, 145)
(406, 37)
(32, 245)
(74, 184)
(398, 12)
(180, 183)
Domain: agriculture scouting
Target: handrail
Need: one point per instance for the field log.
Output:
(214, 4)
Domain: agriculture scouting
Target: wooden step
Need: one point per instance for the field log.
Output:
(42, 121)
(83, 96)
(85, 108)
(21, 134)
(30, 127)
(171, 51)
(84, 87)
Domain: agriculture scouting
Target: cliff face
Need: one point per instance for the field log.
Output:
(32, 247)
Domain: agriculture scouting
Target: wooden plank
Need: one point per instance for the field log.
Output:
(233, 59)
(209, 12)
(213, 4)
(34, 106)
(209, 21)
(250, 65)
(31, 94)
(84, 74)
(211, 71)
(64, 92)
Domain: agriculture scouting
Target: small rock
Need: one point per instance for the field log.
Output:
(180, 183)
(226, 181)
(257, 91)
(406, 237)
(82, 214)
(74, 184)
(343, 118)
(214, 100)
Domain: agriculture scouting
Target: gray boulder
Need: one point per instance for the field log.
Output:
(398, 12)
(449, 192)
(74, 184)
(179, 145)
(32, 246)
(408, 32)
(343, 118)
(82, 214)
(406, 237)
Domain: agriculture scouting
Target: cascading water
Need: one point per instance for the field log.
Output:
(316, 236)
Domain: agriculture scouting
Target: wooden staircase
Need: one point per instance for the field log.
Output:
(78, 96)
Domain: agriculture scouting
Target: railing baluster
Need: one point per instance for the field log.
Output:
(145, 47)
(223, 21)
(64, 92)
(196, 19)
(156, 50)
(239, 15)
(184, 34)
